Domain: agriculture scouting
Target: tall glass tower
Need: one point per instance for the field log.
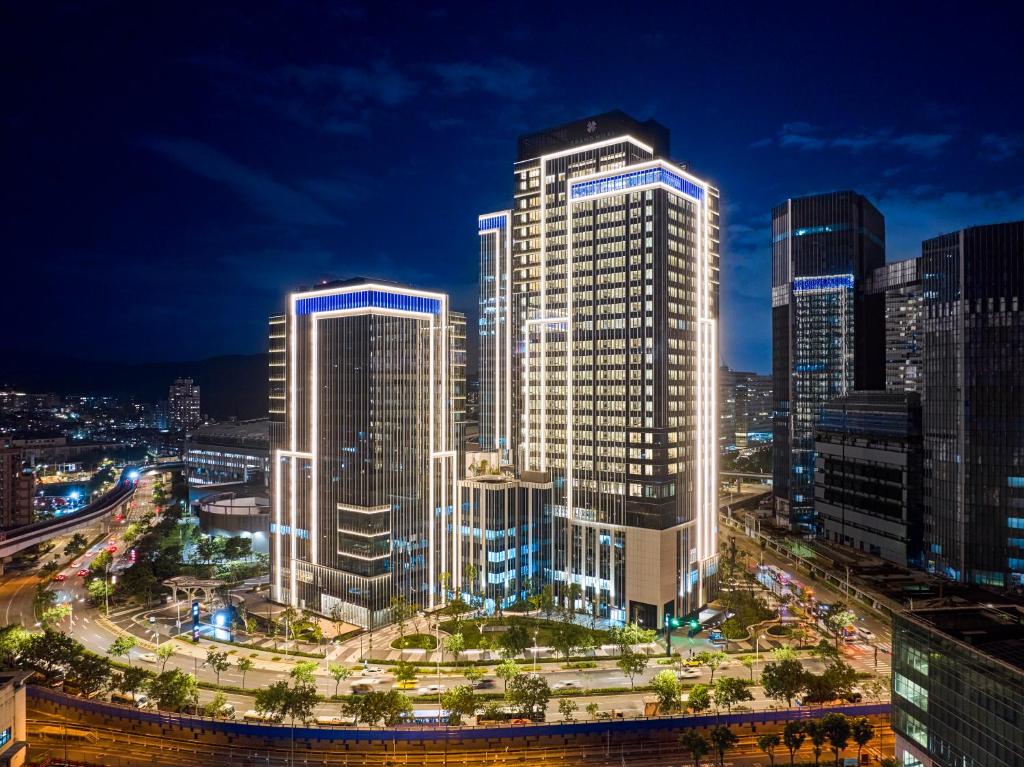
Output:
(614, 303)
(365, 460)
(496, 326)
(973, 404)
(827, 329)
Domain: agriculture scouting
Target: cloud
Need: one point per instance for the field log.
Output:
(807, 137)
(380, 83)
(256, 187)
(997, 148)
(501, 77)
(918, 213)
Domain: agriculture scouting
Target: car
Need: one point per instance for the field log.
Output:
(60, 577)
(333, 721)
(688, 673)
(406, 684)
(865, 633)
(148, 657)
(82, 573)
(432, 689)
(485, 684)
(371, 671)
(361, 688)
(568, 684)
(691, 662)
(76, 564)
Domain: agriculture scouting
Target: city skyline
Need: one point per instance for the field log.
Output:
(228, 155)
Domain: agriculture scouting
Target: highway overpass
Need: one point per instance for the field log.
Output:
(20, 538)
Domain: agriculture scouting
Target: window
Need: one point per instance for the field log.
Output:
(910, 691)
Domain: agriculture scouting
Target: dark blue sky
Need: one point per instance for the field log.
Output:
(167, 176)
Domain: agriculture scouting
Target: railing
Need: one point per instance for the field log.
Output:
(439, 732)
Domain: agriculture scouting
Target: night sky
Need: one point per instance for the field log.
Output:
(168, 176)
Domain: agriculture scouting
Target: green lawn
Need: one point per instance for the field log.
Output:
(415, 642)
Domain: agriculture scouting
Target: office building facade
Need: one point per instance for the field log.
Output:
(973, 412)
(899, 282)
(958, 686)
(364, 459)
(614, 305)
(745, 404)
(826, 329)
(184, 409)
(225, 453)
(497, 376)
(868, 474)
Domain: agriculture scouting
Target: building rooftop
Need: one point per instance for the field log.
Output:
(255, 433)
(994, 630)
(589, 130)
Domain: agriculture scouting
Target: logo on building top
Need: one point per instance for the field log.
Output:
(591, 126)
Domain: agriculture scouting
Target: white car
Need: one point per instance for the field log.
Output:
(568, 684)
(148, 657)
(865, 633)
(688, 673)
(432, 689)
(371, 671)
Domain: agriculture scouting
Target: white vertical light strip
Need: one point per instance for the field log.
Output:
(570, 508)
(293, 474)
(277, 525)
(506, 293)
(314, 418)
(526, 397)
(543, 410)
(432, 563)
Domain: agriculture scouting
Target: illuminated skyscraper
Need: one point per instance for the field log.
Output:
(615, 313)
(365, 460)
(496, 333)
(184, 410)
(827, 329)
(900, 283)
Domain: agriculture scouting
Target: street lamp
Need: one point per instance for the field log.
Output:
(536, 666)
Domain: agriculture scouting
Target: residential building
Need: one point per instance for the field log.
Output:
(497, 331)
(227, 453)
(958, 686)
(826, 327)
(183, 405)
(868, 476)
(365, 462)
(17, 488)
(614, 319)
(973, 411)
(900, 283)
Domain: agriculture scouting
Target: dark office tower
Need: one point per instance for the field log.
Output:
(868, 493)
(973, 414)
(496, 331)
(827, 330)
(365, 464)
(615, 300)
(899, 283)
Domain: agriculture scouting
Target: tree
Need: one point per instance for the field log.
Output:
(768, 743)
(132, 679)
(217, 706)
(592, 710)
(632, 634)
(508, 670)
(12, 640)
(51, 652)
(783, 680)
(405, 671)
(76, 545)
(100, 563)
(817, 735)
(454, 644)
(567, 708)
(301, 702)
(722, 739)
(631, 663)
(837, 730)
(666, 686)
(472, 674)
(862, 732)
(529, 695)
(818, 688)
(875, 688)
(841, 677)
(98, 590)
(793, 736)
(90, 673)
(783, 652)
(389, 706)
(569, 638)
(174, 690)
(729, 691)
(122, 647)
(459, 701)
(825, 651)
(163, 654)
(836, 618)
(699, 698)
(514, 641)
(340, 673)
(218, 661)
(748, 662)
(43, 599)
(304, 672)
(696, 744)
(272, 700)
(54, 616)
(711, 660)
